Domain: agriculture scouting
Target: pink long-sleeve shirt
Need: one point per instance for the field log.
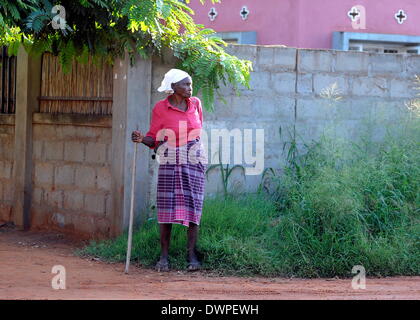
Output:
(172, 124)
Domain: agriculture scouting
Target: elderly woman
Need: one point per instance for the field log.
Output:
(175, 129)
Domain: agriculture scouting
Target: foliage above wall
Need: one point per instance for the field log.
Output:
(106, 29)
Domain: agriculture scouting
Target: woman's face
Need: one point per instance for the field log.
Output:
(183, 87)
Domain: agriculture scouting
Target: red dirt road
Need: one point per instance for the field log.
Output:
(26, 260)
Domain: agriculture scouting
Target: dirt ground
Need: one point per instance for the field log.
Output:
(27, 258)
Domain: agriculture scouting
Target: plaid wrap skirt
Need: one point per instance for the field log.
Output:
(181, 182)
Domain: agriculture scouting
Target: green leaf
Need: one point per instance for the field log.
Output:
(234, 167)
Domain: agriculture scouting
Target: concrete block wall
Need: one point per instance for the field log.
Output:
(7, 139)
(72, 178)
(373, 88)
(295, 88)
(71, 159)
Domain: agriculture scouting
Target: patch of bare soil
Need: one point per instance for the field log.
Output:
(27, 259)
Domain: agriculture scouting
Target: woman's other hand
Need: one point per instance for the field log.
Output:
(137, 136)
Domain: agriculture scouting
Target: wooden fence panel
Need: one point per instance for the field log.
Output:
(7, 82)
(87, 89)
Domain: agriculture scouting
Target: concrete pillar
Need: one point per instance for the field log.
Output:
(28, 88)
(131, 109)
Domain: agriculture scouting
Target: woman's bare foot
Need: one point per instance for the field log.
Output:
(193, 262)
(162, 265)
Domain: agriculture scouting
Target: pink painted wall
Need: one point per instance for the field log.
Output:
(307, 23)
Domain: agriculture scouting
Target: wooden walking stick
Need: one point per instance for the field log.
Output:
(130, 226)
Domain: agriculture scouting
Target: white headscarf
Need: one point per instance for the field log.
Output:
(172, 76)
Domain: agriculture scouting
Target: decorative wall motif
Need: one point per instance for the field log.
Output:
(212, 14)
(401, 16)
(353, 14)
(244, 13)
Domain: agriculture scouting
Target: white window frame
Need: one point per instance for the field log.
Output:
(362, 41)
(244, 37)
(381, 47)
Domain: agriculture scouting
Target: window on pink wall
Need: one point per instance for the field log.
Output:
(376, 42)
(242, 37)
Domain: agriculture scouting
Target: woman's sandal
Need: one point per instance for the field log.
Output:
(162, 266)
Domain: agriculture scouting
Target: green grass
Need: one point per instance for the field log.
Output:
(347, 203)
(341, 204)
(232, 238)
